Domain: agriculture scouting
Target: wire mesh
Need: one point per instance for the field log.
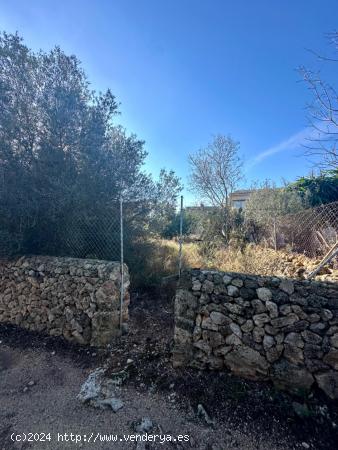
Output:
(311, 232)
(78, 232)
(91, 235)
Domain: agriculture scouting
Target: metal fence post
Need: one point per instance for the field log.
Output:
(180, 239)
(275, 233)
(122, 264)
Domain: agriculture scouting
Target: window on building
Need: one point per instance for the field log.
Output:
(238, 204)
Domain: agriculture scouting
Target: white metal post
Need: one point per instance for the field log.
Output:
(122, 264)
(275, 233)
(180, 239)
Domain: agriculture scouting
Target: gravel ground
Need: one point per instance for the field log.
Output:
(50, 406)
(41, 376)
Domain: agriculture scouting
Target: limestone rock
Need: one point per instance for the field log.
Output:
(204, 346)
(295, 340)
(232, 339)
(233, 308)
(285, 309)
(272, 309)
(182, 336)
(104, 328)
(209, 324)
(287, 286)
(271, 330)
(279, 338)
(227, 279)
(328, 382)
(237, 282)
(215, 363)
(222, 351)
(235, 329)
(331, 358)
(261, 319)
(284, 321)
(326, 314)
(268, 342)
(218, 318)
(274, 353)
(99, 392)
(293, 354)
(334, 340)
(291, 377)
(144, 425)
(258, 306)
(258, 334)
(318, 327)
(247, 362)
(213, 338)
(311, 337)
(233, 291)
(196, 285)
(208, 286)
(249, 325)
(264, 294)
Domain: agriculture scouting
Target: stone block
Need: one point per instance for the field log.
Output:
(247, 362)
(281, 322)
(328, 382)
(105, 327)
(261, 319)
(290, 377)
(264, 294)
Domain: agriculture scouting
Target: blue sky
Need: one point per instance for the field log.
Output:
(185, 70)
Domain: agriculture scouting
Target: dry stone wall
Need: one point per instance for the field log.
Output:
(75, 298)
(261, 328)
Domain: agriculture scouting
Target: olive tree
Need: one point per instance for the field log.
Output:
(64, 161)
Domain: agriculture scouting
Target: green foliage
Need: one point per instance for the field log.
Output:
(268, 202)
(64, 162)
(167, 190)
(317, 190)
(222, 227)
(189, 225)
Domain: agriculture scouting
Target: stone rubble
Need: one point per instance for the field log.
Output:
(100, 392)
(261, 328)
(297, 265)
(144, 425)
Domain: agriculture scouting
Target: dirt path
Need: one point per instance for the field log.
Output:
(40, 378)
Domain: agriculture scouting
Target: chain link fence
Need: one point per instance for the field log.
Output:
(88, 235)
(312, 232)
(80, 233)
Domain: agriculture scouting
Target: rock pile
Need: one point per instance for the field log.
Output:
(299, 266)
(75, 298)
(259, 328)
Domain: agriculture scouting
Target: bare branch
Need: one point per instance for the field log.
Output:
(323, 114)
(216, 170)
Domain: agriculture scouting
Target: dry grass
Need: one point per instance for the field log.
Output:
(162, 260)
(165, 256)
(252, 259)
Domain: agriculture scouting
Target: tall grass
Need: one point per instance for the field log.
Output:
(157, 258)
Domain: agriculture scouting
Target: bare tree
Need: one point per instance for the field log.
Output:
(216, 170)
(323, 113)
